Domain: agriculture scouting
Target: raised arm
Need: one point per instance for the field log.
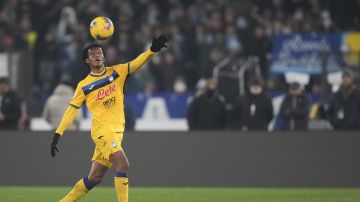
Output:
(135, 64)
(156, 46)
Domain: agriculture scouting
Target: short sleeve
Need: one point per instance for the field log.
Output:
(79, 97)
(122, 69)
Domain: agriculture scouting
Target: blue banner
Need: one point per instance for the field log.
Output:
(174, 103)
(305, 53)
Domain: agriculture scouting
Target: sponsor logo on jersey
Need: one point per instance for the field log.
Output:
(109, 103)
(104, 92)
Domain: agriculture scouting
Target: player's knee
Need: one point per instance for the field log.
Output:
(127, 165)
(123, 167)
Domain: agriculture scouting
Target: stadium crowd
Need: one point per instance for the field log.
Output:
(202, 33)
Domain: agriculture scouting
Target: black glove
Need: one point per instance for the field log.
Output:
(54, 142)
(158, 43)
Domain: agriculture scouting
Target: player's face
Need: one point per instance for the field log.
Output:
(96, 57)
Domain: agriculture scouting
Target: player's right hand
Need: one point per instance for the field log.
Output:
(54, 142)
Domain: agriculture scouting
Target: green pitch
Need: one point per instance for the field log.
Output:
(52, 194)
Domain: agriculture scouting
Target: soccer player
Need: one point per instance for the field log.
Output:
(102, 91)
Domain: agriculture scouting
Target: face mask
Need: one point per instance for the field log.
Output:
(210, 93)
(255, 90)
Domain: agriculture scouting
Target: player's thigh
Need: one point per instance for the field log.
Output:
(97, 171)
(120, 160)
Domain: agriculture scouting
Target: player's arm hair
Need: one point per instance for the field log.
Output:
(67, 119)
(139, 61)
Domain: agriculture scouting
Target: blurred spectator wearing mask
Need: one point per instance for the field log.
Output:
(344, 109)
(294, 110)
(207, 111)
(255, 111)
(10, 106)
(56, 105)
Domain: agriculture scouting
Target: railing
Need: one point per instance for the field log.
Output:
(238, 69)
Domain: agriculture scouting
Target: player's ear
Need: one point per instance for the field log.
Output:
(87, 60)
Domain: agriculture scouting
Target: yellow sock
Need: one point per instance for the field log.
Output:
(122, 186)
(79, 190)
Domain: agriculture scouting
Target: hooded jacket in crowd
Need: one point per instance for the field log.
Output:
(207, 112)
(10, 106)
(56, 105)
(294, 112)
(253, 112)
(344, 109)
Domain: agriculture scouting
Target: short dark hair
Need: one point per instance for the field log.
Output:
(255, 81)
(348, 73)
(4, 80)
(85, 53)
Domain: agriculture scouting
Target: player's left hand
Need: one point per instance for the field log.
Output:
(54, 142)
(159, 43)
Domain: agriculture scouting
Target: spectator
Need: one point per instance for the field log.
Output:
(207, 111)
(344, 109)
(10, 106)
(295, 109)
(259, 45)
(255, 111)
(56, 105)
(165, 73)
(202, 33)
(66, 30)
(130, 119)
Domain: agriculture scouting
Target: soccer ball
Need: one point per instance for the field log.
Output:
(101, 28)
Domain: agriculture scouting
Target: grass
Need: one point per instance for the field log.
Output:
(52, 194)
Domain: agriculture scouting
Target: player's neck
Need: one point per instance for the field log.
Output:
(97, 70)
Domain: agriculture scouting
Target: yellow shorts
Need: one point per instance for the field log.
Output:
(106, 142)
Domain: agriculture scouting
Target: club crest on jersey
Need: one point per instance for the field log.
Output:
(113, 144)
(104, 92)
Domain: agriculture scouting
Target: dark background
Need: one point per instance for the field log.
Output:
(214, 159)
